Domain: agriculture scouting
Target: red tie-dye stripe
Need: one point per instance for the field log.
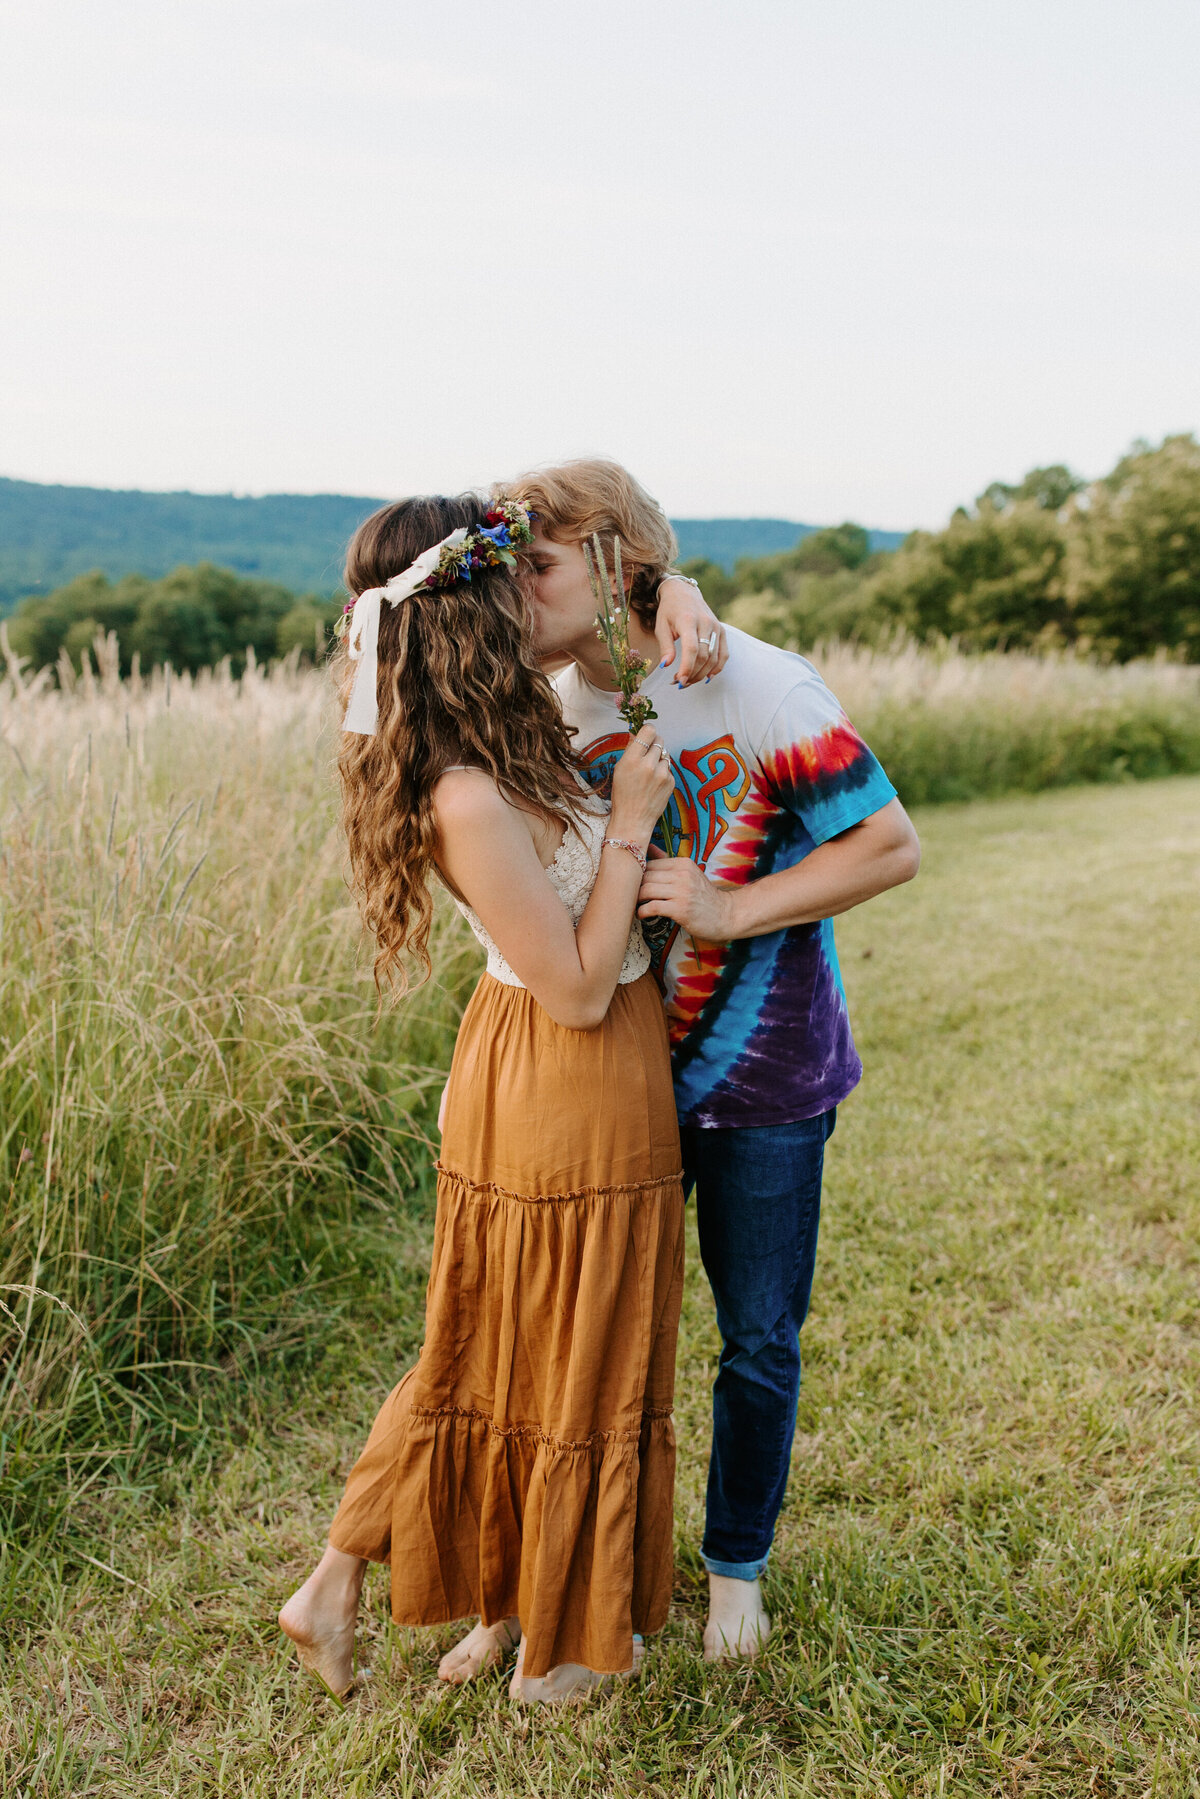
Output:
(816, 759)
(695, 986)
(794, 768)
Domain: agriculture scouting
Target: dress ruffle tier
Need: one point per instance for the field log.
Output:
(526, 1463)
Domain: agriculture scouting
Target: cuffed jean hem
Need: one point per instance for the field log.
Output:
(735, 1570)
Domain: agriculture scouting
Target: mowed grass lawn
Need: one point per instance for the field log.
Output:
(987, 1573)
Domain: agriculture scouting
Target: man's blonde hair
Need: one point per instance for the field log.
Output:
(575, 499)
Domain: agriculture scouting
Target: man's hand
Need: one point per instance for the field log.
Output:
(684, 614)
(673, 887)
(854, 866)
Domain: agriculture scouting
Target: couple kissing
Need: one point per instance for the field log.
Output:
(661, 1015)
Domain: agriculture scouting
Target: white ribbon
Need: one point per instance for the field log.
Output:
(362, 714)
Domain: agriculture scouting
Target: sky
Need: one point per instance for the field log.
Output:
(847, 259)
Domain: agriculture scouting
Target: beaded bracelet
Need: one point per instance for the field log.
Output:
(619, 843)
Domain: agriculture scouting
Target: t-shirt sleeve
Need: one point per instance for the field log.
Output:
(816, 765)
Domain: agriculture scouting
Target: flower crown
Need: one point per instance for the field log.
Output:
(489, 545)
(506, 523)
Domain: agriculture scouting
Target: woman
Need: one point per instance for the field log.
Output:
(523, 1470)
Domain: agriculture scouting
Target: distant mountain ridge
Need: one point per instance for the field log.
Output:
(726, 540)
(49, 534)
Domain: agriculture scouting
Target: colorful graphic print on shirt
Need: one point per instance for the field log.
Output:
(759, 1028)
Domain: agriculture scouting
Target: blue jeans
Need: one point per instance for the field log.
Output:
(758, 1208)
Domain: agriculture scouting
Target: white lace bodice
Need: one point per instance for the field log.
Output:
(572, 874)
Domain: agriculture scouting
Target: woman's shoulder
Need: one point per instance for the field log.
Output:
(467, 796)
(478, 832)
(469, 804)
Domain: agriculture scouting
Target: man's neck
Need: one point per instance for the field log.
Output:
(591, 656)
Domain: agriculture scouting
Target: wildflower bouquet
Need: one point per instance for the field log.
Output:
(612, 628)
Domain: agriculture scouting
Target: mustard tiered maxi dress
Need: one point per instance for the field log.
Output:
(526, 1464)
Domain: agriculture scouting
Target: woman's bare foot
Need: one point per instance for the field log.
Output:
(320, 1618)
(569, 1681)
(738, 1624)
(481, 1648)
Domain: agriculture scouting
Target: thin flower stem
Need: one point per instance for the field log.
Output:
(612, 628)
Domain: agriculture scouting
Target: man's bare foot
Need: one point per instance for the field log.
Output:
(481, 1648)
(738, 1625)
(570, 1681)
(320, 1618)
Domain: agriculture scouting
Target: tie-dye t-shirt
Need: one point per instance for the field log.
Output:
(767, 766)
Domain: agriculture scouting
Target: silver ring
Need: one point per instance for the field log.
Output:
(710, 642)
(664, 752)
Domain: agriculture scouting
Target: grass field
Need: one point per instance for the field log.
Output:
(987, 1572)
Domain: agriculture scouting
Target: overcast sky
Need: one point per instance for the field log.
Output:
(809, 258)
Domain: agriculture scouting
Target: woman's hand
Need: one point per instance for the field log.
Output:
(642, 784)
(684, 613)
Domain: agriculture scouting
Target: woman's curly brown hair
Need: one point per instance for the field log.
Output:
(458, 682)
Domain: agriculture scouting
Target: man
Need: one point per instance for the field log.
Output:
(781, 819)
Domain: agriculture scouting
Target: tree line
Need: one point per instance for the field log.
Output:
(191, 618)
(1110, 567)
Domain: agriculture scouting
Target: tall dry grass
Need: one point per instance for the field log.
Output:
(947, 726)
(201, 1112)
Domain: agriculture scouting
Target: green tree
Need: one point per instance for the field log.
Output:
(190, 618)
(1135, 565)
(717, 587)
(176, 627)
(830, 551)
(307, 626)
(1050, 488)
(826, 552)
(810, 609)
(69, 618)
(197, 615)
(815, 591)
(993, 578)
(80, 638)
